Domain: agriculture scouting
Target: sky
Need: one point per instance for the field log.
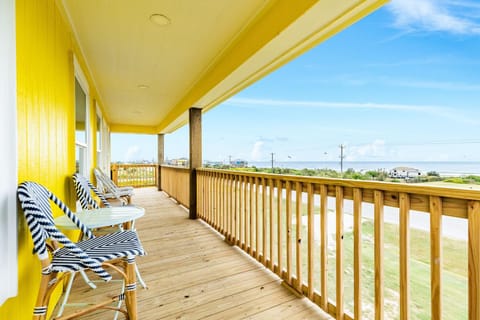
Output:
(403, 84)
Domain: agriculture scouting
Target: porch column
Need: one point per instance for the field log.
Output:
(195, 121)
(160, 158)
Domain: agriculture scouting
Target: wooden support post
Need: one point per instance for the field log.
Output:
(160, 158)
(195, 124)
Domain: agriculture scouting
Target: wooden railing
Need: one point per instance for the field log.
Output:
(259, 213)
(135, 175)
(175, 181)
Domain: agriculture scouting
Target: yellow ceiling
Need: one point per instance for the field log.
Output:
(210, 50)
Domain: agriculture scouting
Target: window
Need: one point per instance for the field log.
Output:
(81, 123)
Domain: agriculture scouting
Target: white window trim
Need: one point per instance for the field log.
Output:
(82, 80)
(8, 161)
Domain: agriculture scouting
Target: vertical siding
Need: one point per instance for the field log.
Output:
(46, 131)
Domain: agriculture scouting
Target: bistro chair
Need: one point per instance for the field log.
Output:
(84, 189)
(68, 258)
(110, 189)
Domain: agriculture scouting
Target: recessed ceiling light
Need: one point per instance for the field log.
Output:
(143, 86)
(160, 19)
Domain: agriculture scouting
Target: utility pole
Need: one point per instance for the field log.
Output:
(229, 160)
(272, 154)
(341, 158)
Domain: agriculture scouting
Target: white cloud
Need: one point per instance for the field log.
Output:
(257, 151)
(434, 111)
(132, 153)
(434, 16)
(369, 151)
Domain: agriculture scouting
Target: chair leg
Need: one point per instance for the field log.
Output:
(131, 289)
(139, 277)
(87, 279)
(41, 305)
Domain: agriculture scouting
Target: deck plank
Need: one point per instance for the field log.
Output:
(193, 274)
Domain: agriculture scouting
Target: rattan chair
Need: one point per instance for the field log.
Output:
(68, 258)
(110, 190)
(84, 189)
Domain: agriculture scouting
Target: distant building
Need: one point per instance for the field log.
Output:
(404, 173)
(182, 162)
(238, 163)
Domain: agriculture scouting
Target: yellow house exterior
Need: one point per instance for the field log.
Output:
(45, 51)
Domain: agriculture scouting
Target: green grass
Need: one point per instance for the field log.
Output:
(454, 275)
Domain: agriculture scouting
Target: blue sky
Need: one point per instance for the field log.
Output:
(403, 84)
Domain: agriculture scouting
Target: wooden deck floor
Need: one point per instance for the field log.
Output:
(193, 274)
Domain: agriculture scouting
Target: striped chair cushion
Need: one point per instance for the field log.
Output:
(101, 249)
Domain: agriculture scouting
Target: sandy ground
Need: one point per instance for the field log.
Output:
(454, 228)
(452, 185)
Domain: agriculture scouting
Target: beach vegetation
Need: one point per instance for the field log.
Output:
(376, 175)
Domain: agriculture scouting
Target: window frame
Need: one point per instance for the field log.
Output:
(84, 148)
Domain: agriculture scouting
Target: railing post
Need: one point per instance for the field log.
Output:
(160, 159)
(436, 256)
(473, 260)
(115, 174)
(195, 121)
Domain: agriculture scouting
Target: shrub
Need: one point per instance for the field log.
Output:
(455, 180)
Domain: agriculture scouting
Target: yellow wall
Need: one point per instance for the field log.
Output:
(46, 126)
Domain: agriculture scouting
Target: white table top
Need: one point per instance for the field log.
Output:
(97, 218)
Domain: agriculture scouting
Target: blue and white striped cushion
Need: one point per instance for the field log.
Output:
(111, 246)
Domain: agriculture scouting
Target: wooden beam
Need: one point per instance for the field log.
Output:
(195, 119)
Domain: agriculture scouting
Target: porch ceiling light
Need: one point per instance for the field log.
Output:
(160, 19)
(143, 86)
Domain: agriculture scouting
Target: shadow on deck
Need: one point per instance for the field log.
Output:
(192, 273)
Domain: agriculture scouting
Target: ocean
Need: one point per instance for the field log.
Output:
(444, 168)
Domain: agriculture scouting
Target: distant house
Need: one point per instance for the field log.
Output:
(182, 162)
(238, 163)
(404, 173)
